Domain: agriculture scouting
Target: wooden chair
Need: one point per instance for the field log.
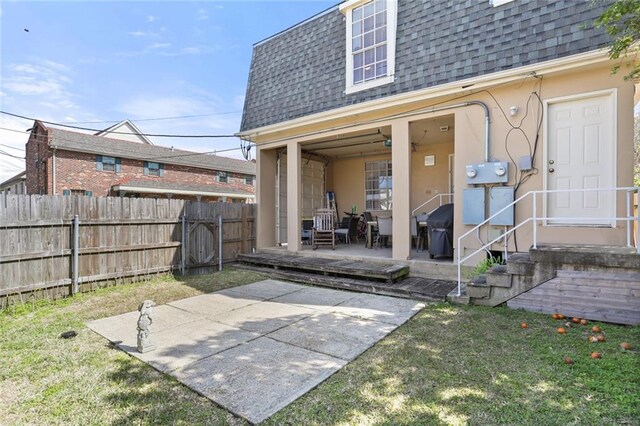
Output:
(348, 229)
(323, 229)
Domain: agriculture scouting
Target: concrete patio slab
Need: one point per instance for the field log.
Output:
(267, 289)
(121, 329)
(315, 298)
(379, 308)
(213, 304)
(257, 379)
(264, 317)
(254, 349)
(190, 342)
(334, 334)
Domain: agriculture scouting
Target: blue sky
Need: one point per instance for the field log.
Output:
(106, 61)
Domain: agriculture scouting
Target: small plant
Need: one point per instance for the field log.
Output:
(485, 265)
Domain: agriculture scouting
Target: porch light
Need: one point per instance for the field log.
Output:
(387, 143)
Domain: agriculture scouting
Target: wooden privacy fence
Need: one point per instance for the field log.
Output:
(51, 246)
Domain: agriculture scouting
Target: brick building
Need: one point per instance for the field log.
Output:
(65, 162)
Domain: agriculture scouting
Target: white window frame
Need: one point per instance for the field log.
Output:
(392, 20)
(386, 193)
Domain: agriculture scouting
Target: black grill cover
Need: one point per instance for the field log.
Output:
(440, 226)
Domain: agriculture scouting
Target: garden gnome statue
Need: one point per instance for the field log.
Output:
(144, 322)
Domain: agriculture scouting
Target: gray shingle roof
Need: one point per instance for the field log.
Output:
(81, 142)
(302, 71)
(154, 184)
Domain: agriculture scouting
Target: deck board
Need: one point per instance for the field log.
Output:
(424, 289)
(347, 268)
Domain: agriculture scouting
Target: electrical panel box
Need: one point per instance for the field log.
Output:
(473, 202)
(492, 172)
(499, 198)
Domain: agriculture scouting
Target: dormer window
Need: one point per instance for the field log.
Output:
(371, 43)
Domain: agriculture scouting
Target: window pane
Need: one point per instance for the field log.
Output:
(381, 35)
(357, 14)
(378, 185)
(358, 60)
(368, 24)
(381, 19)
(381, 69)
(357, 75)
(108, 160)
(356, 43)
(381, 53)
(381, 5)
(368, 9)
(369, 56)
(153, 165)
(356, 28)
(368, 40)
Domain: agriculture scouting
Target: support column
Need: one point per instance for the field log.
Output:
(266, 197)
(401, 165)
(294, 196)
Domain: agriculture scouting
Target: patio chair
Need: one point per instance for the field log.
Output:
(307, 226)
(323, 233)
(385, 229)
(348, 229)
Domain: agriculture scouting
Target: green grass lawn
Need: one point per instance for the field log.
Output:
(448, 365)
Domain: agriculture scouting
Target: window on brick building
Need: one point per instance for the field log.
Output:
(248, 180)
(153, 169)
(108, 164)
(77, 192)
(223, 177)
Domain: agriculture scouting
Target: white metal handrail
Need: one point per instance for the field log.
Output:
(629, 218)
(413, 212)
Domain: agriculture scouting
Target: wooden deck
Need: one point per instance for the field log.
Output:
(388, 272)
(369, 277)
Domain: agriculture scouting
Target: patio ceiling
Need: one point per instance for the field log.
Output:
(371, 141)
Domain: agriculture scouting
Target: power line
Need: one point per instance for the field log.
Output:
(117, 133)
(154, 119)
(10, 155)
(12, 147)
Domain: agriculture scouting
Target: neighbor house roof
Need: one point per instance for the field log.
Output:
(81, 142)
(125, 130)
(16, 178)
(154, 187)
(301, 71)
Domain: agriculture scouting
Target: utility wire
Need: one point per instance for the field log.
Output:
(154, 119)
(12, 147)
(117, 133)
(10, 155)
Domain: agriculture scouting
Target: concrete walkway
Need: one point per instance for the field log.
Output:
(255, 349)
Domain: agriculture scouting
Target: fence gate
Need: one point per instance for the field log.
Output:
(201, 246)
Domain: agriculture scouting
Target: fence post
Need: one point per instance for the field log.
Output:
(183, 248)
(76, 229)
(219, 242)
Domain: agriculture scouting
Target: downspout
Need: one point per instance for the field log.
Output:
(486, 120)
(53, 172)
(278, 200)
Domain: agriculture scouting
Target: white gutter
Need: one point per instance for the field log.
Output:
(129, 188)
(455, 87)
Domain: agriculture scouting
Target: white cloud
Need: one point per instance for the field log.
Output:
(142, 34)
(192, 50)
(13, 142)
(202, 15)
(151, 18)
(160, 46)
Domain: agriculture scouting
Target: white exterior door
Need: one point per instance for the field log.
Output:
(312, 192)
(581, 155)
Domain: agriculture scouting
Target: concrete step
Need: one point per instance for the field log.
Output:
(498, 276)
(520, 264)
(587, 256)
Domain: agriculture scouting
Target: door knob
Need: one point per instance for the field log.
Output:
(551, 170)
(550, 161)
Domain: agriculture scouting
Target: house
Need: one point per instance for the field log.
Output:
(127, 131)
(391, 103)
(14, 185)
(64, 162)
